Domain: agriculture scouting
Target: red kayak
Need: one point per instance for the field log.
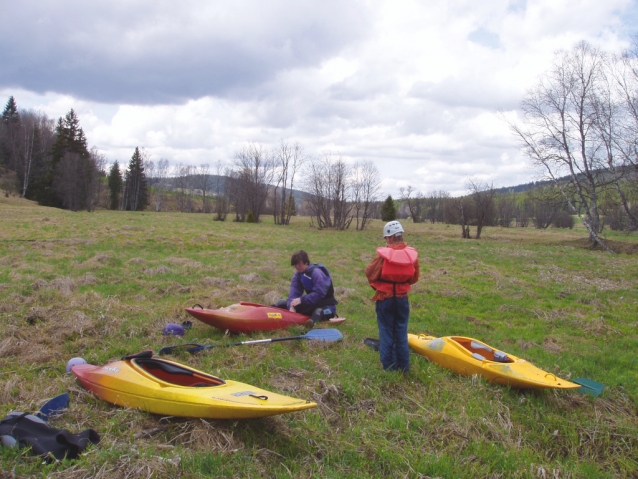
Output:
(249, 317)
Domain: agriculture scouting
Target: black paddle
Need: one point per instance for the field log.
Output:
(314, 334)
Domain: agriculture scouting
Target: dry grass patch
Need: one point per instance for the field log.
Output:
(96, 261)
(250, 278)
(599, 327)
(137, 261)
(159, 270)
(66, 286)
(551, 345)
(87, 280)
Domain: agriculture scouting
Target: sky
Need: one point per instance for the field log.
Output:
(423, 89)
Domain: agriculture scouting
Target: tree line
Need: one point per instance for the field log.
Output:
(54, 166)
(257, 181)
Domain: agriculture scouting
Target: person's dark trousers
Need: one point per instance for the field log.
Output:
(392, 317)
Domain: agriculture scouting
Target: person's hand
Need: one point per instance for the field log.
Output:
(295, 302)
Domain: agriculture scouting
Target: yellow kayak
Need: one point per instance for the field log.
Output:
(167, 388)
(468, 356)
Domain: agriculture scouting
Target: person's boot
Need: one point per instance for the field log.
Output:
(316, 316)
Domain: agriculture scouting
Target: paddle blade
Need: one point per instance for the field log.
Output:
(54, 407)
(323, 335)
(587, 386)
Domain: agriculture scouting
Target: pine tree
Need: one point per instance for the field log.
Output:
(135, 188)
(66, 181)
(10, 113)
(9, 133)
(115, 186)
(388, 210)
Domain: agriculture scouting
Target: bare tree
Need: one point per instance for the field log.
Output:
(151, 177)
(37, 136)
(415, 202)
(482, 196)
(560, 132)
(288, 158)
(365, 192)
(183, 187)
(545, 203)
(618, 116)
(506, 210)
(254, 174)
(203, 184)
(163, 167)
(221, 188)
(94, 182)
(463, 208)
(328, 192)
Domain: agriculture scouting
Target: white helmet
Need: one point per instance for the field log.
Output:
(392, 228)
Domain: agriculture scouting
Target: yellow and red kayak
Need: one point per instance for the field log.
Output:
(249, 317)
(167, 388)
(469, 356)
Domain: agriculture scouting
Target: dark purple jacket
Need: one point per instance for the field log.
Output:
(316, 284)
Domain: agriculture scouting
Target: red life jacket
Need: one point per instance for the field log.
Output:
(397, 270)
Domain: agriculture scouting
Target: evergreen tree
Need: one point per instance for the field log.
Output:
(388, 210)
(135, 188)
(115, 186)
(10, 113)
(67, 179)
(9, 134)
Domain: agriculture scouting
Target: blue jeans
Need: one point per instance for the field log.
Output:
(392, 317)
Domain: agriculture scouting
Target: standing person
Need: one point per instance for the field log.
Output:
(319, 302)
(391, 275)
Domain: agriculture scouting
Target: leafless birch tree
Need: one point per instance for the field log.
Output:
(365, 192)
(560, 133)
(251, 180)
(288, 159)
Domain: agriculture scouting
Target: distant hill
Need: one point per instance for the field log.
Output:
(523, 187)
(214, 182)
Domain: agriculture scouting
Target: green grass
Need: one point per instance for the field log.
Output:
(104, 284)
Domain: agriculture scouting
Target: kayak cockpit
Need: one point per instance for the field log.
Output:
(482, 351)
(175, 374)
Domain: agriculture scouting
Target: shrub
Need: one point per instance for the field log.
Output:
(563, 220)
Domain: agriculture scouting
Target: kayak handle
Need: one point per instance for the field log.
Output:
(263, 398)
(550, 374)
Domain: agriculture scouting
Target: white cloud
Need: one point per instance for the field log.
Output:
(414, 86)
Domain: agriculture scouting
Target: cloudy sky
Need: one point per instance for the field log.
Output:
(414, 86)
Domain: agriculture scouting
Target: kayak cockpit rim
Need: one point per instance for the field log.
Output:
(175, 374)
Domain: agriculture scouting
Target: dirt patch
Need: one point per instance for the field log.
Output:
(526, 344)
(623, 247)
(551, 345)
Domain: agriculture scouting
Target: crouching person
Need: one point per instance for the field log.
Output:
(311, 290)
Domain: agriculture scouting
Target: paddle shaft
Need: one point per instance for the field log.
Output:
(256, 341)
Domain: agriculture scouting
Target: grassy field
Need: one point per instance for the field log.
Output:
(104, 284)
